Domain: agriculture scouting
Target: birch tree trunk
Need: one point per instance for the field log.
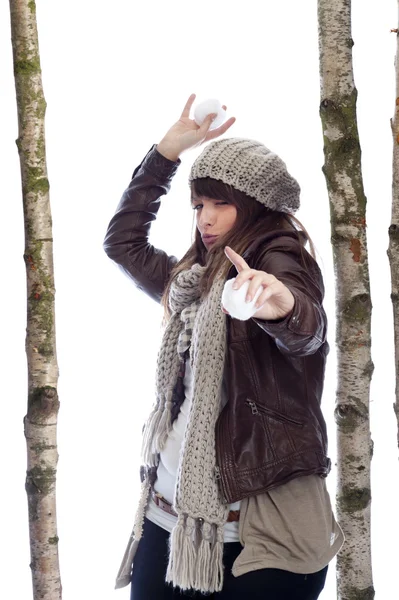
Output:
(393, 248)
(342, 170)
(41, 420)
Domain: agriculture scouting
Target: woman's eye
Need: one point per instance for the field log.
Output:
(197, 206)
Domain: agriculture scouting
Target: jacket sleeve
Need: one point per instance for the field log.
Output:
(304, 329)
(127, 238)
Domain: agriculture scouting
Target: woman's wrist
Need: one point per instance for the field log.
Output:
(167, 151)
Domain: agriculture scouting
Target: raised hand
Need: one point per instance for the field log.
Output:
(276, 300)
(185, 133)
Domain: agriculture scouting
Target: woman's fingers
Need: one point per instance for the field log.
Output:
(268, 291)
(256, 278)
(205, 125)
(186, 110)
(236, 259)
(220, 130)
(244, 270)
(203, 132)
(270, 287)
(257, 281)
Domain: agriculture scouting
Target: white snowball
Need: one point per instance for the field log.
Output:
(234, 300)
(206, 108)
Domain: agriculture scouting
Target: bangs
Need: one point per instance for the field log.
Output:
(213, 188)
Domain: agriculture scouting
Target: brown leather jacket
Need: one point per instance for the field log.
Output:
(271, 429)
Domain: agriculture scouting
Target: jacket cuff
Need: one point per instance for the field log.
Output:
(296, 322)
(276, 327)
(158, 165)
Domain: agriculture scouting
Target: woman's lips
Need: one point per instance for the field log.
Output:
(209, 239)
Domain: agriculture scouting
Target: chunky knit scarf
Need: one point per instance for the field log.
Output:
(196, 542)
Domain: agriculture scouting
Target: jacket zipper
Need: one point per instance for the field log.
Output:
(257, 409)
(221, 481)
(253, 406)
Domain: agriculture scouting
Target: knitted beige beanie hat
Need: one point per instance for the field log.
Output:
(252, 168)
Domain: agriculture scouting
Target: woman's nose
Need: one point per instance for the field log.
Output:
(207, 217)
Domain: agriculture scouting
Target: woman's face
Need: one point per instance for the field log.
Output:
(214, 218)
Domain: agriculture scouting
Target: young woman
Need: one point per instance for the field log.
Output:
(234, 503)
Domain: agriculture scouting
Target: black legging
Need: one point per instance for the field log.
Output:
(150, 564)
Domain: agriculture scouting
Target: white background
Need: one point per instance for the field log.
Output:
(116, 76)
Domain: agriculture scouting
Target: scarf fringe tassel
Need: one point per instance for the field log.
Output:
(156, 430)
(196, 567)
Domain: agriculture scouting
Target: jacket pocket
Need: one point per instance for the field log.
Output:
(258, 408)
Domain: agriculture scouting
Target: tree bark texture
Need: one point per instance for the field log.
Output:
(40, 423)
(342, 170)
(393, 248)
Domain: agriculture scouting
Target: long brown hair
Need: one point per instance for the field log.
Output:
(253, 219)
